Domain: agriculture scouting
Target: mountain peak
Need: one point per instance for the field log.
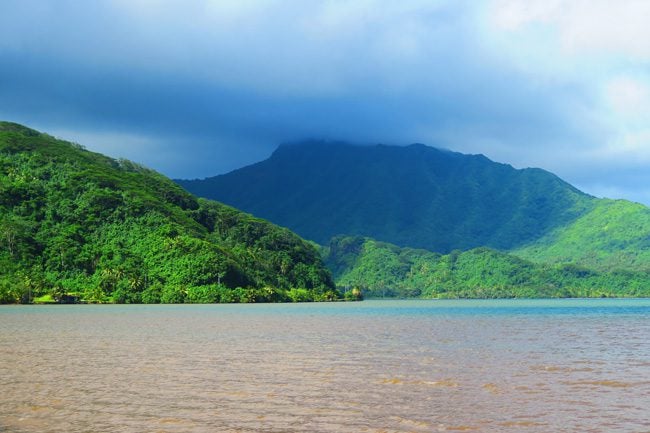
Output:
(416, 195)
(329, 148)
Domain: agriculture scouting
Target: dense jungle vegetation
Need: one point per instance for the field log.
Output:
(380, 269)
(79, 226)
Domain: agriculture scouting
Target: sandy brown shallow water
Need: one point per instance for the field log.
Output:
(375, 366)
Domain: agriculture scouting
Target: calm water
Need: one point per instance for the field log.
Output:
(375, 366)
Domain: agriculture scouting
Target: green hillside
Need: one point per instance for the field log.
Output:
(422, 197)
(615, 234)
(79, 225)
(416, 196)
(382, 269)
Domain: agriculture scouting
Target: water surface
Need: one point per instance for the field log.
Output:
(375, 366)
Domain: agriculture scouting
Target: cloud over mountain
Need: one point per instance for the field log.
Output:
(199, 88)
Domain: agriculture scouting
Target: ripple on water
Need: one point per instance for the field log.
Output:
(492, 388)
(561, 369)
(443, 383)
(458, 428)
(602, 383)
(518, 424)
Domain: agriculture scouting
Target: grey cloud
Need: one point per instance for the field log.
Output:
(209, 91)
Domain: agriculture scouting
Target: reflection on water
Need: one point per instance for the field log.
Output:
(393, 366)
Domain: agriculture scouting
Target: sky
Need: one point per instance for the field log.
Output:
(199, 88)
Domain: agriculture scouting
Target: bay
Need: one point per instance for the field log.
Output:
(374, 366)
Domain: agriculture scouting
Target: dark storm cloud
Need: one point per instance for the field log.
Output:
(198, 88)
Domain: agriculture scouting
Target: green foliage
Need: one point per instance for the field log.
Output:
(615, 234)
(79, 225)
(422, 197)
(415, 196)
(385, 270)
(354, 294)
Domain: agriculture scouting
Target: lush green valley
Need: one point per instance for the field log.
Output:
(77, 225)
(384, 270)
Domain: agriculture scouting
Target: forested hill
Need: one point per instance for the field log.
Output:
(380, 269)
(79, 225)
(615, 234)
(415, 196)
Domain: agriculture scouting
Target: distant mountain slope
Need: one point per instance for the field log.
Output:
(382, 269)
(615, 234)
(415, 196)
(73, 222)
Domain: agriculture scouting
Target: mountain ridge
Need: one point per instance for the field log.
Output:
(406, 195)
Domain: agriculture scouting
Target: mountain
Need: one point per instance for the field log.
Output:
(614, 234)
(380, 269)
(79, 225)
(423, 197)
(415, 196)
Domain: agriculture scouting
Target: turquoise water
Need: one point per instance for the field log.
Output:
(374, 366)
